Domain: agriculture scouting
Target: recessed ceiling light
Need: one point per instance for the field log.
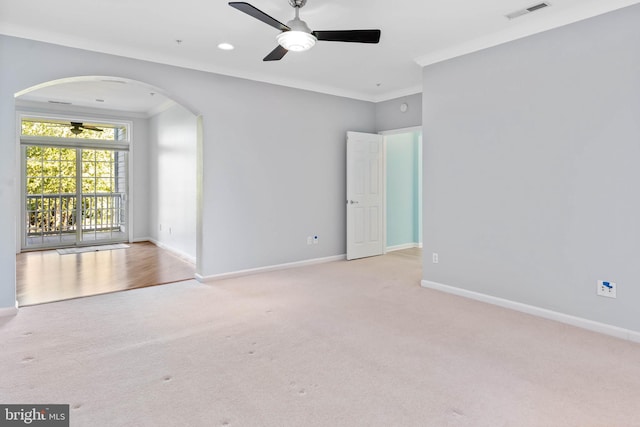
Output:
(226, 46)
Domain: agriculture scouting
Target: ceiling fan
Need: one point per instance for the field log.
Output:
(296, 34)
(77, 128)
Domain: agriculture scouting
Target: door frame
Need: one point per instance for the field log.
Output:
(385, 134)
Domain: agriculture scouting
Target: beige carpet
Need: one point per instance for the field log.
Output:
(342, 344)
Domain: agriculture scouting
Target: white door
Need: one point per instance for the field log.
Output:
(365, 195)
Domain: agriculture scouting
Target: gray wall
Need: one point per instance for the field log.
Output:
(389, 116)
(274, 157)
(172, 180)
(139, 179)
(531, 174)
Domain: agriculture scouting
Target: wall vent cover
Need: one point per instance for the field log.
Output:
(527, 10)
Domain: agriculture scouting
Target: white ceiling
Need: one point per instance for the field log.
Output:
(414, 33)
(98, 92)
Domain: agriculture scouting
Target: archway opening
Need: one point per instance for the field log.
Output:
(143, 186)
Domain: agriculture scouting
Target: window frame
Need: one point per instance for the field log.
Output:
(79, 143)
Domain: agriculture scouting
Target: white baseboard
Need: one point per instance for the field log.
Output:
(603, 328)
(9, 311)
(277, 267)
(403, 246)
(174, 251)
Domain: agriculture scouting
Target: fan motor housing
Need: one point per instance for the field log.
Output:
(298, 24)
(297, 3)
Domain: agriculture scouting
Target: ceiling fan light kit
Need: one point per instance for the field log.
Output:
(296, 41)
(296, 35)
(300, 37)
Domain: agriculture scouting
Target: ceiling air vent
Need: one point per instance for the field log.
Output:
(518, 13)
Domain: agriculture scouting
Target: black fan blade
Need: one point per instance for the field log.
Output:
(276, 54)
(354, 36)
(258, 14)
(92, 128)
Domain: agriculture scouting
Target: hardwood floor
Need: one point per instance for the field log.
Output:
(46, 276)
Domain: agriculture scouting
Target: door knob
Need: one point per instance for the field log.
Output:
(351, 202)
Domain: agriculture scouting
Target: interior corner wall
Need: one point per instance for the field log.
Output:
(138, 179)
(172, 180)
(390, 117)
(531, 169)
(269, 181)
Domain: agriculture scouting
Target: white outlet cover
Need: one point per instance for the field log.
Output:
(606, 289)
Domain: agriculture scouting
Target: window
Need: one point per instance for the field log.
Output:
(75, 182)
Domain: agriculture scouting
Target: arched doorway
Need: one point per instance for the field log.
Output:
(149, 190)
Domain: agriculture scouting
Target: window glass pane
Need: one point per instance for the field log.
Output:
(68, 154)
(34, 153)
(34, 186)
(67, 169)
(88, 169)
(73, 129)
(51, 168)
(68, 185)
(88, 185)
(51, 185)
(103, 185)
(34, 168)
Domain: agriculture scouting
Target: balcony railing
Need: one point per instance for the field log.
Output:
(49, 214)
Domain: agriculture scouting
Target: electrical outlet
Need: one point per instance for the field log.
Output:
(309, 240)
(606, 289)
(435, 257)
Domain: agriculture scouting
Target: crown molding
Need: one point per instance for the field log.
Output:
(397, 94)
